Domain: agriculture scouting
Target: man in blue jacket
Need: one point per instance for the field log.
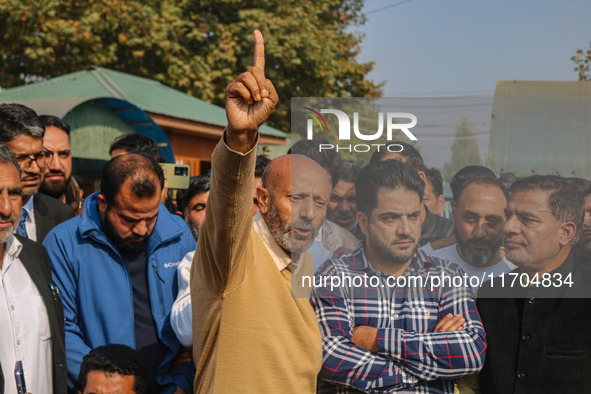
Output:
(116, 268)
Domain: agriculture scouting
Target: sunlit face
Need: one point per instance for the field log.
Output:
(99, 382)
(533, 236)
(57, 175)
(393, 229)
(129, 221)
(10, 200)
(297, 206)
(195, 212)
(479, 216)
(342, 207)
(24, 146)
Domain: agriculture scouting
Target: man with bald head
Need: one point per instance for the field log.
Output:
(250, 334)
(115, 266)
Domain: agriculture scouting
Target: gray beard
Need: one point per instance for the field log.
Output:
(477, 260)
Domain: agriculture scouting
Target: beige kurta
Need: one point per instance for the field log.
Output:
(249, 334)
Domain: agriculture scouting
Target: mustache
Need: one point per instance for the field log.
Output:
(480, 240)
(303, 224)
(56, 172)
(6, 218)
(404, 238)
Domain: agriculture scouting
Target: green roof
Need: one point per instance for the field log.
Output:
(60, 94)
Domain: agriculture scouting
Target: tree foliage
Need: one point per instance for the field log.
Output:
(464, 151)
(582, 61)
(196, 46)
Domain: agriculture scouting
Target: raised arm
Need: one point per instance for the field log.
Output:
(250, 99)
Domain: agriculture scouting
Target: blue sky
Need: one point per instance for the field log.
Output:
(462, 47)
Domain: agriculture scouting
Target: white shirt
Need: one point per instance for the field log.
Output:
(30, 221)
(181, 317)
(427, 248)
(451, 253)
(24, 332)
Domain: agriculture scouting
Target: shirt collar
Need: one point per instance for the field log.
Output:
(319, 235)
(281, 259)
(29, 208)
(13, 250)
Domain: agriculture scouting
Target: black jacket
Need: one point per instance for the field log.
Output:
(49, 212)
(36, 261)
(536, 344)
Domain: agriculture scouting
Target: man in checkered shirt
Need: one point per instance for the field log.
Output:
(416, 336)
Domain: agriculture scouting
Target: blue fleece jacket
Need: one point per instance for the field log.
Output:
(96, 288)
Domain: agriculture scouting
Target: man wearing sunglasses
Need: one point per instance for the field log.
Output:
(22, 131)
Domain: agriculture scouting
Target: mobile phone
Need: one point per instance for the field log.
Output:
(19, 377)
(176, 176)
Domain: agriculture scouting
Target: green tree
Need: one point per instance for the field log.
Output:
(582, 61)
(196, 46)
(464, 151)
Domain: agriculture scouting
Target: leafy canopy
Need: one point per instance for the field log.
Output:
(196, 46)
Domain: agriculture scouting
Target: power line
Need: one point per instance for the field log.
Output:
(388, 6)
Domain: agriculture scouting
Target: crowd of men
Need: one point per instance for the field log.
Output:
(302, 274)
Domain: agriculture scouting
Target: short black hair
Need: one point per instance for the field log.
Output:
(141, 168)
(459, 180)
(328, 159)
(581, 184)
(17, 120)
(137, 143)
(349, 171)
(434, 177)
(119, 359)
(8, 157)
(392, 174)
(199, 185)
(409, 152)
(566, 202)
(261, 164)
(50, 120)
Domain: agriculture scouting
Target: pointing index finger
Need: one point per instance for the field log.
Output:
(259, 50)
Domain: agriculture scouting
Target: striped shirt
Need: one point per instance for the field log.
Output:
(410, 356)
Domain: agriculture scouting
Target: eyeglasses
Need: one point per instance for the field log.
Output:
(43, 159)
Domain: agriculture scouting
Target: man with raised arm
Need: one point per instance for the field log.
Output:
(249, 334)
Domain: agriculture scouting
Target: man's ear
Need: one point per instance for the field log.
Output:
(441, 203)
(102, 204)
(423, 176)
(264, 199)
(569, 229)
(179, 214)
(363, 221)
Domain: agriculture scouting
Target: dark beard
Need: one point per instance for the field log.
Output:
(125, 245)
(54, 189)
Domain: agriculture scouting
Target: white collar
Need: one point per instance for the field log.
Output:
(29, 208)
(13, 249)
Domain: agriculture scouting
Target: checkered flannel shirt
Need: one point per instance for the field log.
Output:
(410, 356)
